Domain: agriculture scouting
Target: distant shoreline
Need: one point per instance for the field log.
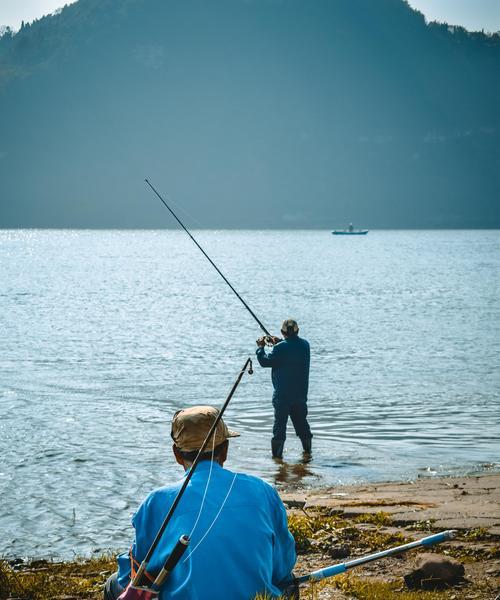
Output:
(263, 229)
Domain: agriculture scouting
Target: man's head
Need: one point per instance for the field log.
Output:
(289, 328)
(190, 427)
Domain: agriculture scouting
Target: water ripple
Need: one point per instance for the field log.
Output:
(105, 334)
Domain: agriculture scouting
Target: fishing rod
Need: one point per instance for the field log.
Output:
(211, 262)
(333, 570)
(137, 589)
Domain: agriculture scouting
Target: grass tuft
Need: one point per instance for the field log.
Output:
(373, 589)
(44, 580)
(381, 518)
(313, 533)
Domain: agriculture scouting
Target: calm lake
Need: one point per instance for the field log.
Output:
(104, 334)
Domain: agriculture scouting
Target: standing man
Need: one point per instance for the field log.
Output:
(240, 543)
(289, 360)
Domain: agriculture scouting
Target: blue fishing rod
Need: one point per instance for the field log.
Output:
(339, 568)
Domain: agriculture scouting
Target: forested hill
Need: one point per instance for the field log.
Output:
(249, 113)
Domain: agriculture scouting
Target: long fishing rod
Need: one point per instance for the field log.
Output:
(211, 261)
(140, 578)
(333, 570)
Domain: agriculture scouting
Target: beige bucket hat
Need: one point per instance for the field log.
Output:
(190, 427)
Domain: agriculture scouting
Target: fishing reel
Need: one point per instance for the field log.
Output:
(268, 340)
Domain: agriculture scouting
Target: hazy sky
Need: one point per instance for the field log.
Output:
(473, 14)
(12, 12)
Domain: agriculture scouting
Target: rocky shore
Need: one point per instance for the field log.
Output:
(334, 525)
(357, 520)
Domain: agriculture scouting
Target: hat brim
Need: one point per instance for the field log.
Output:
(232, 433)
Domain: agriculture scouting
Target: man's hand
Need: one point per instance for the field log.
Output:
(270, 340)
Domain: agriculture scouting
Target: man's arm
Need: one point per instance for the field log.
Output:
(142, 527)
(284, 545)
(134, 554)
(269, 359)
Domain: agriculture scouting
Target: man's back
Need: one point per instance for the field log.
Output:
(289, 360)
(247, 548)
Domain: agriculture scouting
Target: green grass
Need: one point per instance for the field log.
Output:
(44, 580)
(373, 589)
(84, 579)
(317, 533)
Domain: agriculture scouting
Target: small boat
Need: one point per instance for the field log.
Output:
(350, 231)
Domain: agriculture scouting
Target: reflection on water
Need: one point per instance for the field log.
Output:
(106, 334)
(293, 475)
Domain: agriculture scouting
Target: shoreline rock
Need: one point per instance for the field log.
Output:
(380, 512)
(446, 503)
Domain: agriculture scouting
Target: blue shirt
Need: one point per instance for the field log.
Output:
(248, 549)
(289, 360)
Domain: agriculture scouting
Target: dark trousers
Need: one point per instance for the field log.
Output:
(112, 589)
(297, 411)
(292, 592)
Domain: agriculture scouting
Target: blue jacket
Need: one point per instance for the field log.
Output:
(248, 549)
(289, 360)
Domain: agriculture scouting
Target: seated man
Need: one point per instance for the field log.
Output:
(240, 544)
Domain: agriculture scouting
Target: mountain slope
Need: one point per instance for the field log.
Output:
(251, 113)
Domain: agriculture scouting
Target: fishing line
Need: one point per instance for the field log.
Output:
(205, 492)
(215, 519)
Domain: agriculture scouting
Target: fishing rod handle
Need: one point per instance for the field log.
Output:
(171, 561)
(322, 573)
(173, 558)
(140, 574)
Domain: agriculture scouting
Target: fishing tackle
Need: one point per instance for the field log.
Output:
(268, 336)
(333, 570)
(137, 589)
(269, 340)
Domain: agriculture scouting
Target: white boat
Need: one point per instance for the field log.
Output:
(350, 231)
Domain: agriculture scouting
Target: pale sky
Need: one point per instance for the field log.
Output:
(12, 12)
(472, 14)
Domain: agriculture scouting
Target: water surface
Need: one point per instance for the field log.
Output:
(106, 333)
